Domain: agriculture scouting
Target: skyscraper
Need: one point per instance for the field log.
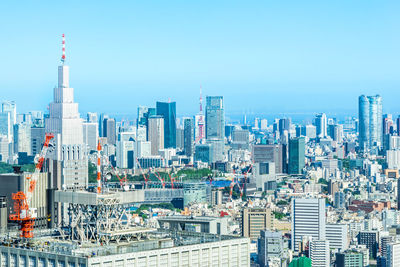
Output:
(308, 220)
(215, 118)
(296, 155)
(188, 136)
(215, 126)
(110, 130)
(156, 133)
(66, 125)
(168, 111)
(10, 107)
(321, 125)
(370, 121)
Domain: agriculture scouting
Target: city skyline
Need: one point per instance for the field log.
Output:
(317, 58)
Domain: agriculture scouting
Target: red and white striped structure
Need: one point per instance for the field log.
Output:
(98, 167)
(63, 49)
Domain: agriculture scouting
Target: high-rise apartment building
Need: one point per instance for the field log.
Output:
(297, 147)
(65, 123)
(308, 220)
(156, 133)
(370, 121)
(168, 111)
(319, 253)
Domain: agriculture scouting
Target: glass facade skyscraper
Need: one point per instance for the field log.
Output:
(168, 111)
(297, 147)
(370, 121)
(215, 126)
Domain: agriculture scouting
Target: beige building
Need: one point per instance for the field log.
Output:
(255, 220)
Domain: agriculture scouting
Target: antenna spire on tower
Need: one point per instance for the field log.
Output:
(201, 101)
(63, 49)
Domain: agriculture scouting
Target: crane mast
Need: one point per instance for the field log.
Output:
(23, 214)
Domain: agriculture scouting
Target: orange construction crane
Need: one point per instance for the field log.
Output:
(24, 215)
(141, 170)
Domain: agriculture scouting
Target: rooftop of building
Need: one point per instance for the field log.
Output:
(150, 240)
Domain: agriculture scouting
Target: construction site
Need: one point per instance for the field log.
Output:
(96, 228)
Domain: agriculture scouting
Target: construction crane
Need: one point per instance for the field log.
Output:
(172, 180)
(122, 181)
(23, 214)
(141, 170)
(159, 178)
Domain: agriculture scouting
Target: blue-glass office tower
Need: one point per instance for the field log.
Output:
(370, 121)
(215, 126)
(168, 111)
(297, 147)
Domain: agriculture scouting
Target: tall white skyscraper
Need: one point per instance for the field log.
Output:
(65, 123)
(156, 134)
(10, 107)
(308, 220)
(321, 124)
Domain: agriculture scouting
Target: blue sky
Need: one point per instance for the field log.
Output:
(262, 56)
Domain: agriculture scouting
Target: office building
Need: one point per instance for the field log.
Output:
(203, 153)
(308, 220)
(296, 155)
(215, 125)
(370, 121)
(268, 153)
(319, 253)
(37, 139)
(199, 249)
(125, 150)
(255, 220)
(269, 245)
(188, 136)
(370, 240)
(393, 255)
(263, 172)
(6, 127)
(11, 108)
(156, 133)
(91, 134)
(321, 125)
(337, 235)
(65, 123)
(22, 138)
(143, 149)
(284, 125)
(92, 117)
(168, 111)
(349, 259)
(110, 130)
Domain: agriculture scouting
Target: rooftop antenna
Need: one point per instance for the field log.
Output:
(63, 49)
